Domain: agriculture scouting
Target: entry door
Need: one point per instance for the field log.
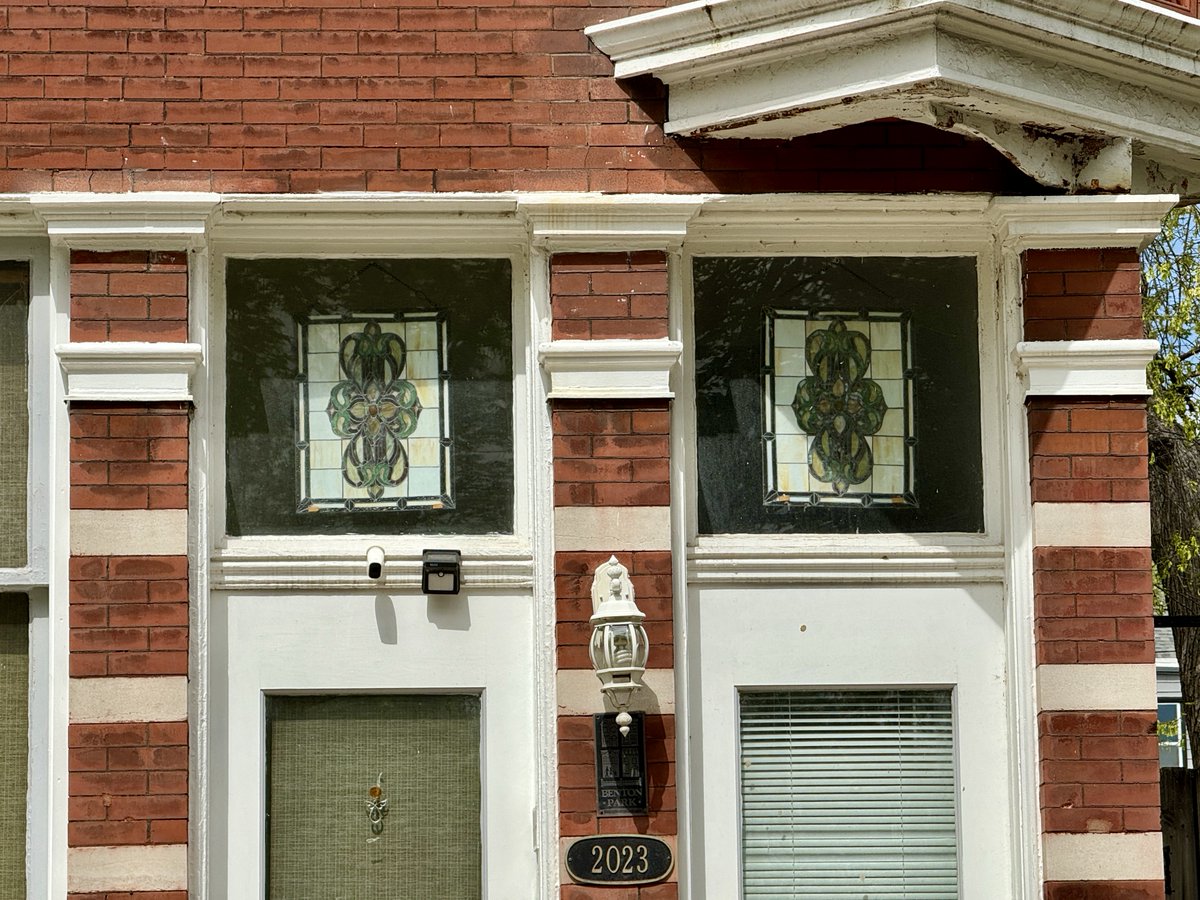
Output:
(935, 653)
(372, 745)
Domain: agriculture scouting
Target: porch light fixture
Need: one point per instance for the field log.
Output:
(619, 646)
(441, 571)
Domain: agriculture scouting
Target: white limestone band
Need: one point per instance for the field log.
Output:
(1091, 524)
(1096, 687)
(612, 528)
(579, 693)
(1103, 857)
(152, 867)
(129, 532)
(160, 698)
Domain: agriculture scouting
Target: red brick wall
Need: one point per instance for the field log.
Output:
(1093, 605)
(129, 456)
(611, 453)
(253, 96)
(1073, 295)
(609, 295)
(131, 296)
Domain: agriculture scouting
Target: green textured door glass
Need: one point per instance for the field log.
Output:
(14, 740)
(14, 412)
(369, 396)
(837, 395)
(333, 761)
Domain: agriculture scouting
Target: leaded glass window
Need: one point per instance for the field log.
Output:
(374, 796)
(369, 396)
(837, 395)
(837, 408)
(14, 412)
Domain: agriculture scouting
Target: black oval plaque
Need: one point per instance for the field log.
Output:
(619, 859)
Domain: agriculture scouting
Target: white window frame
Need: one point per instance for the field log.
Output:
(44, 575)
(505, 576)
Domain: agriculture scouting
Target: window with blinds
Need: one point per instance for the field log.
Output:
(848, 794)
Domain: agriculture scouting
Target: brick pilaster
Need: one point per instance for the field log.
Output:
(613, 456)
(1092, 588)
(128, 738)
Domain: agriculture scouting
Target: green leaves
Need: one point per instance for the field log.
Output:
(1171, 310)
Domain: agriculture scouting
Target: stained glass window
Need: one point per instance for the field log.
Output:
(837, 407)
(374, 430)
(369, 396)
(837, 395)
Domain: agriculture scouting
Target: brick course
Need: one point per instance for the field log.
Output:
(1082, 294)
(611, 453)
(136, 295)
(609, 295)
(129, 456)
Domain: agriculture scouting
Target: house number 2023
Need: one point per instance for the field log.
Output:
(619, 859)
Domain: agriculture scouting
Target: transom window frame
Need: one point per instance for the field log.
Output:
(335, 560)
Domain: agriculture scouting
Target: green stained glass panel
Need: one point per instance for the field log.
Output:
(837, 408)
(327, 835)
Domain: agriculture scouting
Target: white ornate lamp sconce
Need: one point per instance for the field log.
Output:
(377, 806)
(619, 647)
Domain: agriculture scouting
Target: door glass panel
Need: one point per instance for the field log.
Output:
(14, 412)
(374, 796)
(14, 740)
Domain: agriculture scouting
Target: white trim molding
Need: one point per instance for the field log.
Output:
(1096, 687)
(1103, 857)
(1081, 94)
(609, 369)
(1091, 524)
(274, 564)
(1113, 368)
(135, 371)
(1088, 221)
(172, 220)
(610, 222)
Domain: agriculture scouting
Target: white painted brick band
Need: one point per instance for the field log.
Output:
(611, 528)
(1103, 857)
(1085, 687)
(579, 693)
(129, 532)
(1091, 524)
(152, 699)
(153, 867)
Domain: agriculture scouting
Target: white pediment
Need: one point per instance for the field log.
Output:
(1083, 95)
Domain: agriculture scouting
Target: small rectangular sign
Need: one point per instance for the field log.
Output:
(620, 767)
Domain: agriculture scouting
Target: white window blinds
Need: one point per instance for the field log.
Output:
(848, 794)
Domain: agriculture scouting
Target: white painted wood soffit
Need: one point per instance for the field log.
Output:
(1082, 95)
(1110, 368)
(134, 371)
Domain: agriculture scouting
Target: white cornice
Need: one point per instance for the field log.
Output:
(1045, 223)
(609, 369)
(1114, 368)
(625, 222)
(150, 221)
(1082, 94)
(17, 217)
(135, 371)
